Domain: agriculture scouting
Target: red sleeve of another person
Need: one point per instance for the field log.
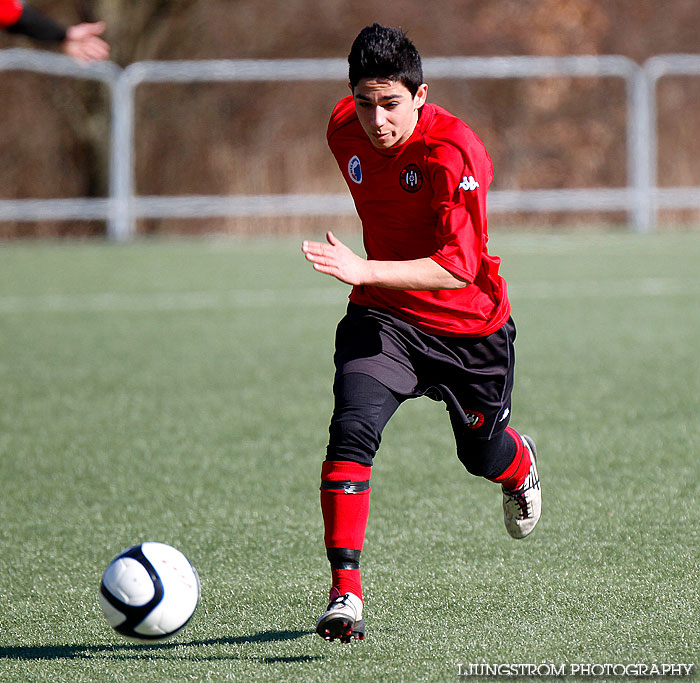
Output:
(10, 12)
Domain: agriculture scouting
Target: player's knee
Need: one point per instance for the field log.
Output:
(352, 439)
(481, 457)
(474, 465)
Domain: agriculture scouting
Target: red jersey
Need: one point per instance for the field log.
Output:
(10, 12)
(425, 198)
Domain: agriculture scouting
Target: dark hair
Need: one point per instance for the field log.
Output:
(383, 52)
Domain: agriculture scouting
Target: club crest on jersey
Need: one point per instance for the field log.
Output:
(355, 170)
(474, 419)
(411, 178)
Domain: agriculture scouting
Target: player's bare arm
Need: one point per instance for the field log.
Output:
(338, 260)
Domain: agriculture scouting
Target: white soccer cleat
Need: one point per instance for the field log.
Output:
(342, 619)
(522, 507)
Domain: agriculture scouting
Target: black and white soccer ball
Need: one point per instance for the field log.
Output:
(149, 592)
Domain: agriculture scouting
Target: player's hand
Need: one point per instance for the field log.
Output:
(84, 44)
(335, 259)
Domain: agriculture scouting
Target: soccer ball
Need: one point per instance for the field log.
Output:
(149, 592)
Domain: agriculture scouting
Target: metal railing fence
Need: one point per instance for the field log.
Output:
(640, 197)
(656, 68)
(82, 208)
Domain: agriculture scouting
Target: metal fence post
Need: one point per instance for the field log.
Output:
(640, 171)
(120, 225)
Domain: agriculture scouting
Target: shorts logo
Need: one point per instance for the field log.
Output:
(411, 178)
(355, 170)
(474, 420)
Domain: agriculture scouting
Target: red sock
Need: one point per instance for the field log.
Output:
(516, 473)
(345, 581)
(345, 506)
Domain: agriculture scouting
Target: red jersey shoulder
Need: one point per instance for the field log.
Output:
(453, 144)
(343, 114)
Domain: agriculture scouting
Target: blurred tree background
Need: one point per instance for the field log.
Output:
(259, 138)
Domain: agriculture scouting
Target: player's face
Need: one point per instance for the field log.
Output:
(387, 111)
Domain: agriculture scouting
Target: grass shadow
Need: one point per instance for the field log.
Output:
(121, 650)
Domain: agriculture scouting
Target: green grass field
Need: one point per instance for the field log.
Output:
(180, 392)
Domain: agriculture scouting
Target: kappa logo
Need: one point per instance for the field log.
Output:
(468, 184)
(355, 170)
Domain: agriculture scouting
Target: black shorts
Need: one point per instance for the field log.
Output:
(472, 375)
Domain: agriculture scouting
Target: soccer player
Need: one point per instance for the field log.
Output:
(82, 41)
(429, 313)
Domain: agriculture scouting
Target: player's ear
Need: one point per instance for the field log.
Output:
(421, 95)
(352, 90)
